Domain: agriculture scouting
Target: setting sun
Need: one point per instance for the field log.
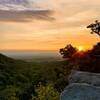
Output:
(80, 48)
(46, 44)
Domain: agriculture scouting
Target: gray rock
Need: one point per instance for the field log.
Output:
(78, 91)
(85, 77)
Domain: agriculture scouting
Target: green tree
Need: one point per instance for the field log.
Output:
(46, 93)
(9, 93)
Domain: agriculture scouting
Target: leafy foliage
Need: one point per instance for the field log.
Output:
(85, 61)
(21, 80)
(95, 27)
(46, 93)
(68, 51)
(91, 60)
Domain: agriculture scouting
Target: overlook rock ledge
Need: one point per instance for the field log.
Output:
(82, 86)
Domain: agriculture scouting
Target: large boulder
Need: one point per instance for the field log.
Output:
(77, 91)
(82, 86)
(84, 77)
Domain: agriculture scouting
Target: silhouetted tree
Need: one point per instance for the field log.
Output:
(95, 27)
(68, 51)
(96, 50)
(91, 60)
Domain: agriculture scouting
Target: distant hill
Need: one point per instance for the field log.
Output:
(7, 63)
(33, 55)
(19, 78)
(6, 59)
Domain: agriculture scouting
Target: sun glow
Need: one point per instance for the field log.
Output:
(80, 48)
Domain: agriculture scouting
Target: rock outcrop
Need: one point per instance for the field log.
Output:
(78, 91)
(82, 86)
(84, 77)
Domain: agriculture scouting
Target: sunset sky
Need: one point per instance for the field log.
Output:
(47, 24)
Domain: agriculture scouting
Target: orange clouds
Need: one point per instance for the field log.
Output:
(71, 18)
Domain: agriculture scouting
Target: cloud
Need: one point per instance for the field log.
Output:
(25, 15)
(23, 11)
(70, 20)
